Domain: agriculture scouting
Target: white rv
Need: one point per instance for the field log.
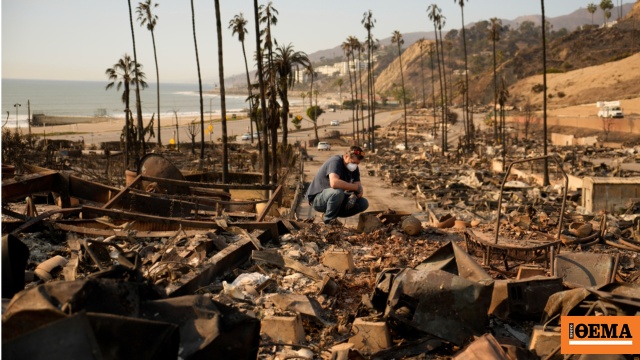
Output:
(609, 109)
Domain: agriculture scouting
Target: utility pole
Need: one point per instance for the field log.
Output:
(29, 118)
(16, 105)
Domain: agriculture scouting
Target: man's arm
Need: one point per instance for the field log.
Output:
(336, 183)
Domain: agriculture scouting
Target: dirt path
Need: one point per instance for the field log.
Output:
(380, 195)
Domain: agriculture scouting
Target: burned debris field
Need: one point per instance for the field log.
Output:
(171, 263)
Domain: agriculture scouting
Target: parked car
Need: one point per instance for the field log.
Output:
(335, 122)
(324, 146)
(246, 136)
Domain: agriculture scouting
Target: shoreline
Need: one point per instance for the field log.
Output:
(98, 124)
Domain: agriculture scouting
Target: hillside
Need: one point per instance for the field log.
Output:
(521, 51)
(617, 80)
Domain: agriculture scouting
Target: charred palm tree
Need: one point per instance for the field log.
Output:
(223, 101)
(195, 42)
(315, 115)
(348, 51)
(502, 100)
(138, 103)
(431, 50)
(468, 117)
(340, 82)
(445, 99)
(494, 34)
(148, 18)
(263, 106)
(357, 46)
(396, 38)
(268, 18)
(545, 181)
(369, 23)
(435, 15)
(423, 45)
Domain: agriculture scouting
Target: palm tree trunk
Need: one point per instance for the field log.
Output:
(273, 114)
(469, 116)
(138, 104)
(127, 112)
(223, 102)
(368, 140)
(356, 101)
(265, 150)
(285, 112)
(422, 75)
(495, 94)
(441, 90)
(544, 91)
(284, 116)
(404, 99)
(373, 108)
(246, 68)
(155, 57)
(195, 42)
(445, 102)
(433, 94)
(356, 136)
(372, 95)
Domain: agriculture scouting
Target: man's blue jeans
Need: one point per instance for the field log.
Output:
(332, 202)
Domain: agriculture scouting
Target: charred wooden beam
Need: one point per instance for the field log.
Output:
(274, 197)
(122, 193)
(209, 185)
(227, 259)
(19, 187)
(92, 211)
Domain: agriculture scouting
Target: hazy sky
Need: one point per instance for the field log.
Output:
(79, 39)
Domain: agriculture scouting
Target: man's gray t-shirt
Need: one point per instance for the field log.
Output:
(335, 164)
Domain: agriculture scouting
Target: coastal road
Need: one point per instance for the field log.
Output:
(96, 133)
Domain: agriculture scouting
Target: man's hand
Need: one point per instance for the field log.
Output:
(360, 191)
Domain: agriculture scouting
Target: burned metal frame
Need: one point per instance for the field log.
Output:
(526, 254)
(564, 195)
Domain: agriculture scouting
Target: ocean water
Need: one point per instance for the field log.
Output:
(90, 98)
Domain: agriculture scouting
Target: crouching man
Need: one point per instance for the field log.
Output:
(336, 190)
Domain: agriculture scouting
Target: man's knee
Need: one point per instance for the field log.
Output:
(337, 194)
(363, 204)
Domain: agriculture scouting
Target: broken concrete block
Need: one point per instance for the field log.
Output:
(283, 329)
(368, 223)
(370, 337)
(528, 271)
(339, 260)
(544, 340)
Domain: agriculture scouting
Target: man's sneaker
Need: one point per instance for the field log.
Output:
(333, 222)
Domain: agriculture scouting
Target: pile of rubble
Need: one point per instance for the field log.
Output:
(166, 268)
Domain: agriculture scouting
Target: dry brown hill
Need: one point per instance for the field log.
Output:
(390, 76)
(615, 80)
